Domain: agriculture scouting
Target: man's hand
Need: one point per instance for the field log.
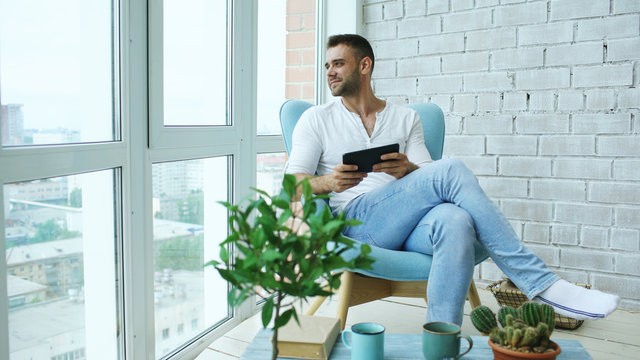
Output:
(342, 178)
(397, 165)
(345, 177)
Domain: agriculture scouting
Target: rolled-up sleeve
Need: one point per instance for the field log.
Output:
(416, 149)
(306, 146)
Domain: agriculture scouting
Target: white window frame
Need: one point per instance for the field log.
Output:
(237, 140)
(37, 162)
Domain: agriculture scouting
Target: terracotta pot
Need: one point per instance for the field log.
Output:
(500, 353)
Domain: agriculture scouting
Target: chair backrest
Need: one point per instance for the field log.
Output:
(431, 117)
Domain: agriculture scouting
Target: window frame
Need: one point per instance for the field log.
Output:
(175, 143)
(33, 162)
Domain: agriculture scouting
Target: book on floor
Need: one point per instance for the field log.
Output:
(312, 339)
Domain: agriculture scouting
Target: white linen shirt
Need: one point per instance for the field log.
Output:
(325, 132)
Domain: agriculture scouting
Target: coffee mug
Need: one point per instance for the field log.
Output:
(367, 341)
(442, 340)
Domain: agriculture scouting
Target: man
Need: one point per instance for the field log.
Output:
(412, 203)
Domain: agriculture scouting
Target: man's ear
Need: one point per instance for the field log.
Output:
(365, 65)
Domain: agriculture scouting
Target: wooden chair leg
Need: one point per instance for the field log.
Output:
(344, 296)
(472, 295)
(317, 301)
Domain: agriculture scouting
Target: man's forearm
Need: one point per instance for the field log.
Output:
(319, 184)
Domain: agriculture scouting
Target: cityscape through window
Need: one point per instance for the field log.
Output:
(62, 289)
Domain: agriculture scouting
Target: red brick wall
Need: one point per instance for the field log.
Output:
(301, 41)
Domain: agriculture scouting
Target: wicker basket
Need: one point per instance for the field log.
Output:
(508, 294)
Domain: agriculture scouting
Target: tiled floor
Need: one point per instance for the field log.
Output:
(616, 337)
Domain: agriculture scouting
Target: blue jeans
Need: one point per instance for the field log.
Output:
(441, 210)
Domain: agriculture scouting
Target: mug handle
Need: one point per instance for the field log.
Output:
(470, 344)
(344, 338)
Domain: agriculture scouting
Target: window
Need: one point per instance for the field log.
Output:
(122, 123)
(188, 225)
(195, 62)
(57, 87)
(76, 302)
(270, 170)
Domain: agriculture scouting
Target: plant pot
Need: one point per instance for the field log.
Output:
(500, 353)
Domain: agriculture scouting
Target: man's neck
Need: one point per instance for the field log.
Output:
(364, 103)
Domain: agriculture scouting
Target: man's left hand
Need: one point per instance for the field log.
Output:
(395, 164)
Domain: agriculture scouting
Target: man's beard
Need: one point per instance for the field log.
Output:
(349, 85)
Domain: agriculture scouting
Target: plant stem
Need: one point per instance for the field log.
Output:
(274, 339)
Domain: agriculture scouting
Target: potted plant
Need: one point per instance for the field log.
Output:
(524, 334)
(273, 256)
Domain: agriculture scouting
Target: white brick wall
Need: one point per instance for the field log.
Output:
(542, 102)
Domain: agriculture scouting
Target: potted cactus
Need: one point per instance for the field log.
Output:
(523, 333)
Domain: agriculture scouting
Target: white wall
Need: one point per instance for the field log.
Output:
(541, 101)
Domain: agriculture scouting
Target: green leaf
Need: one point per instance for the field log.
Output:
(289, 185)
(212, 263)
(286, 215)
(284, 318)
(258, 238)
(332, 226)
(271, 255)
(306, 191)
(295, 315)
(224, 254)
(261, 192)
(249, 262)
(225, 204)
(229, 276)
(267, 312)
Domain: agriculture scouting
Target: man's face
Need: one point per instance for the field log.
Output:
(343, 73)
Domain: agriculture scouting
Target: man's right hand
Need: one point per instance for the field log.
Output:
(342, 178)
(345, 177)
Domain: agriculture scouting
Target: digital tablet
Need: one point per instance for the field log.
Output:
(365, 159)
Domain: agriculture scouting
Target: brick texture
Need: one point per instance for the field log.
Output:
(300, 42)
(541, 102)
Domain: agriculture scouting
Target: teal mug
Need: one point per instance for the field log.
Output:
(442, 340)
(367, 341)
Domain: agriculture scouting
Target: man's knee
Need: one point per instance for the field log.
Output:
(451, 215)
(455, 233)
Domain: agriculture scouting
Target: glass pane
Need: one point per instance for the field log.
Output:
(270, 170)
(286, 58)
(195, 62)
(62, 289)
(188, 225)
(56, 72)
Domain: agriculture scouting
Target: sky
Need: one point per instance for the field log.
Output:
(56, 59)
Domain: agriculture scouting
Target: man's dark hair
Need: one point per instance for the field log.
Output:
(356, 42)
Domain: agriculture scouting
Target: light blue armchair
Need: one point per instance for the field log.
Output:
(395, 273)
